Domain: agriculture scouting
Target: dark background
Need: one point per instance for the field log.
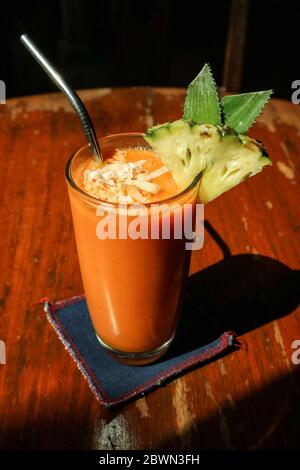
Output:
(99, 43)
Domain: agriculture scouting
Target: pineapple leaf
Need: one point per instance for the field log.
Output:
(240, 111)
(202, 102)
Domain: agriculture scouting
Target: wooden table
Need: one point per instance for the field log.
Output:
(247, 399)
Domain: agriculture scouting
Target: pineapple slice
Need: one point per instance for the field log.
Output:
(222, 157)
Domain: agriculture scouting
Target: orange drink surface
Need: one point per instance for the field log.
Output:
(133, 282)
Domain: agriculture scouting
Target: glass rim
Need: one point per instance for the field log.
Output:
(96, 200)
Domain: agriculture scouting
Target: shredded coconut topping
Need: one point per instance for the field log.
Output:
(122, 182)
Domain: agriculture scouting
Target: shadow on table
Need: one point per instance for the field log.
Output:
(240, 293)
(266, 419)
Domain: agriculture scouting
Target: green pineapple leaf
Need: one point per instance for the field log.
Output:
(240, 111)
(202, 103)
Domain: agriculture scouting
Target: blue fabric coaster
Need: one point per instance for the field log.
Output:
(114, 383)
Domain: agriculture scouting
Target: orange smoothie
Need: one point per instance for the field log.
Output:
(133, 286)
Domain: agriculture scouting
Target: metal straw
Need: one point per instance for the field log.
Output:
(68, 92)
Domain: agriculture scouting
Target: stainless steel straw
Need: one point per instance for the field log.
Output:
(68, 92)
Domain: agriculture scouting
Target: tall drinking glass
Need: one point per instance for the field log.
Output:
(133, 284)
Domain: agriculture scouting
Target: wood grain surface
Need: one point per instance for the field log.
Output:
(246, 278)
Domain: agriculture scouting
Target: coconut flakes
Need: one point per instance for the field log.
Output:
(122, 182)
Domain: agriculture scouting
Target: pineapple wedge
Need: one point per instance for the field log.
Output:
(222, 157)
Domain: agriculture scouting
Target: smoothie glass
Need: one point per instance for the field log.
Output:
(133, 287)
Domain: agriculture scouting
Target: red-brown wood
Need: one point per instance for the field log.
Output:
(248, 399)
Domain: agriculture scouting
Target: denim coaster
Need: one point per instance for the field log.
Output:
(113, 383)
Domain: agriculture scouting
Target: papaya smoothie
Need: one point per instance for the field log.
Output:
(133, 262)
